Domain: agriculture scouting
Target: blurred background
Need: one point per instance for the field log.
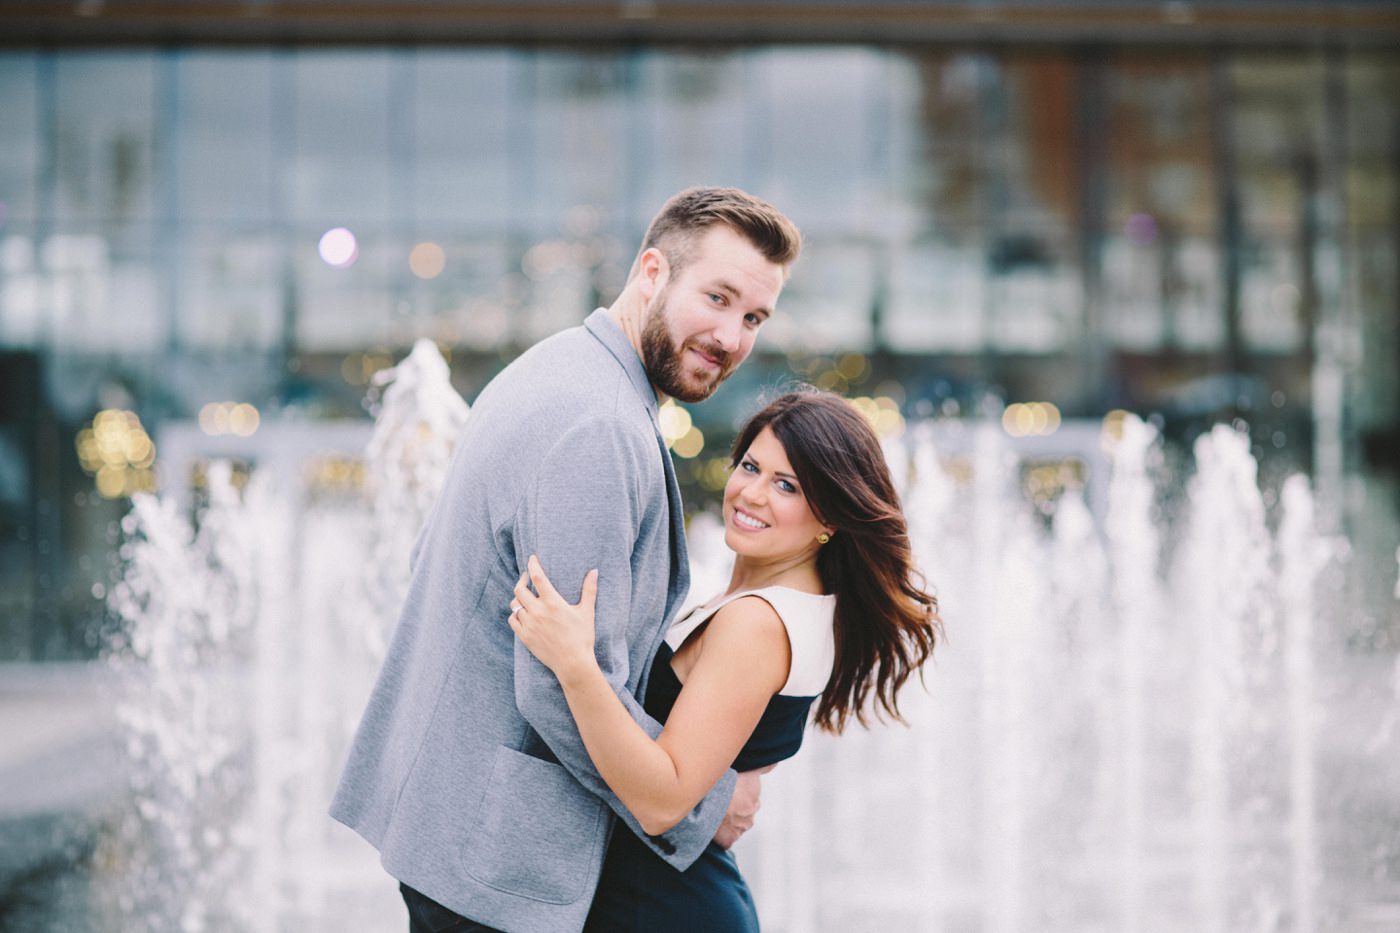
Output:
(219, 221)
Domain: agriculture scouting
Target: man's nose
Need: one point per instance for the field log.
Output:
(729, 333)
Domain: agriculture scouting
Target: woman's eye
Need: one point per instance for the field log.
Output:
(785, 486)
(748, 467)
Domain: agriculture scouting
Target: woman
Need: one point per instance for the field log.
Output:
(822, 605)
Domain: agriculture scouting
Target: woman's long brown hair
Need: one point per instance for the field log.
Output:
(886, 623)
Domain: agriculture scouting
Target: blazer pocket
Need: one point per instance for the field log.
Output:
(537, 832)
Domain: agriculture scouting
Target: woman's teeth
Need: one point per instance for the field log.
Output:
(741, 519)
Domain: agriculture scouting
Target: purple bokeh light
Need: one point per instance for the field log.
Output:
(1141, 230)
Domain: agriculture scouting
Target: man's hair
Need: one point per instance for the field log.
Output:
(674, 229)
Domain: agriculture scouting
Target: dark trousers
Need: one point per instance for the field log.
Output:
(426, 915)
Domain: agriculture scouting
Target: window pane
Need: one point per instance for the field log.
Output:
(822, 134)
(341, 309)
(1279, 124)
(104, 293)
(1372, 211)
(20, 139)
(1160, 146)
(105, 155)
(224, 137)
(1034, 293)
(23, 303)
(1271, 300)
(474, 300)
(231, 296)
(1030, 189)
(936, 296)
(462, 107)
(576, 155)
(1160, 269)
(828, 306)
(697, 125)
(342, 161)
(936, 108)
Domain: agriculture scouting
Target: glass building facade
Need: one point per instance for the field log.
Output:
(1195, 233)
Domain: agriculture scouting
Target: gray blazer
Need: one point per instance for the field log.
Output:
(467, 771)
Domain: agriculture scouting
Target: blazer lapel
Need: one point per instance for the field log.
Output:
(678, 582)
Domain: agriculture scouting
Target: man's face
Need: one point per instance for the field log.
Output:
(702, 324)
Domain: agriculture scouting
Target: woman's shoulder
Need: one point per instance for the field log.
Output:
(797, 605)
(748, 632)
(808, 621)
(749, 615)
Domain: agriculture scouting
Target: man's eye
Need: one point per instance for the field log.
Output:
(753, 319)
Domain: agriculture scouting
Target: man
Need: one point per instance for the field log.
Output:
(467, 772)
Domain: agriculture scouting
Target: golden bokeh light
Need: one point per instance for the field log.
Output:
(713, 473)
(1026, 419)
(690, 444)
(213, 418)
(238, 418)
(427, 260)
(139, 449)
(883, 414)
(852, 367)
(111, 482)
(334, 476)
(117, 453)
(243, 419)
(674, 421)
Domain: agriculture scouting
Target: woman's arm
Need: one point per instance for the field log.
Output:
(742, 662)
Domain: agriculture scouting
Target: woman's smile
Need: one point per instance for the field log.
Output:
(748, 522)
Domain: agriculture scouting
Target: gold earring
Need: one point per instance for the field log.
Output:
(823, 538)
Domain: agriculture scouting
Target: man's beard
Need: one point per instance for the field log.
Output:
(665, 362)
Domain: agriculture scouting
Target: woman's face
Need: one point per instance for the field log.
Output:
(766, 514)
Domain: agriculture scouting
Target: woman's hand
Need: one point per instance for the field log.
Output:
(559, 634)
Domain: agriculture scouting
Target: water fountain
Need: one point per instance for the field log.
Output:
(1116, 737)
(250, 642)
(1124, 731)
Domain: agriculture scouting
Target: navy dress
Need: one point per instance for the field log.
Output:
(638, 891)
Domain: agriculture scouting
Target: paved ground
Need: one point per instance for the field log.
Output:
(60, 779)
(61, 787)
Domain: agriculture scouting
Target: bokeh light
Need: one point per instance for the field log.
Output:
(674, 421)
(427, 260)
(338, 248)
(243, 419)
(238, 418)
(712, 473)
(1141, 229)
(689, 444)
(117, 453)
(1025, 419)
(882, 412)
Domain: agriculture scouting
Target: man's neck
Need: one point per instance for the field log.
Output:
(627, 312)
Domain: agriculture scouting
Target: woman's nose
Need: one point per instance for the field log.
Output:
(753, 491)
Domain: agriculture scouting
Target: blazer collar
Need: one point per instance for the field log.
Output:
(601, 326)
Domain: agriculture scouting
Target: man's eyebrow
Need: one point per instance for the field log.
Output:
(725, 286)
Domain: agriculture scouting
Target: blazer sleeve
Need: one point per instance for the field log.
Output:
(584, 510)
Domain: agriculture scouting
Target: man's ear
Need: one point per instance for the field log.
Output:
(653, 271)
